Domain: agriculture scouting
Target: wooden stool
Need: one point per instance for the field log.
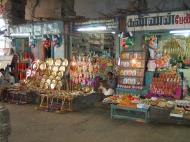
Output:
(55, 102)
(44, 97)
(69, 101)
(62, 109)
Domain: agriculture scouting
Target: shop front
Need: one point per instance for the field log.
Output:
(57, 83)
(153, 72)
(94, 49)
(35, 41)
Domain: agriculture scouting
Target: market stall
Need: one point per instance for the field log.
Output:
(45, 82)
(158, 92)
(96, 39)
(38, 40)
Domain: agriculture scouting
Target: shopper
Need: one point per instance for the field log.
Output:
(10, 78)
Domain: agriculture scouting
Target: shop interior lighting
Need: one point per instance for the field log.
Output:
(180, 32)
(73, 63)
(113, 33)
(88, 29)
(119, 61)
(183, 34)
(20, 35)
(134, 61)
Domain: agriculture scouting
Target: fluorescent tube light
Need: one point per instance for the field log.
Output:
(87, 29)
(179, 31)
(182, 34)
(20, 34)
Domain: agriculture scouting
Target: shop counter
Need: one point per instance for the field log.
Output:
(84, 101)
(122, 112)
(162, 115)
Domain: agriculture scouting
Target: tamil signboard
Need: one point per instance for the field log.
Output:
(159, 21)
(110, 25)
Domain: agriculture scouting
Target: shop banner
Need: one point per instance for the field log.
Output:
(39, 28)
(159, 21)
(112, 25)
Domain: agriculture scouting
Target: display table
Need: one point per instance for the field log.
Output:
(162, 115)
(136, 114)
(86, 101)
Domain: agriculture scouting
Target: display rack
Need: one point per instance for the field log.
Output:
(131, 71)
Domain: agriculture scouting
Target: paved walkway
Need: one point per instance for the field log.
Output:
(90, 125)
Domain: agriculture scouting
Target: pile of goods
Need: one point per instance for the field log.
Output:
(126, 100)
(178, 108)
(163, 61)
(166, 84)
(18, 93)
(83, 71)
(172, 47)
(105, 65)
(46, 75)
(181, 109)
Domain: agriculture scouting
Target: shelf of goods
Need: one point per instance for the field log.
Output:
(131, 71)
(166, 84)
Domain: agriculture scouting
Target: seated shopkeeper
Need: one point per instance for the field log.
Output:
(108, 88)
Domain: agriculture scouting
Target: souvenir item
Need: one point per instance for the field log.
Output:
(50, 61)
(56, 41)
(65, 62)
(48, 81)
(32, 42)
(46, 42)
(58, 62)
(42, 66)
(58, 78)
(46, 85)
(60, 73)
(62, 68)
(35, 65)
(55, 69)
